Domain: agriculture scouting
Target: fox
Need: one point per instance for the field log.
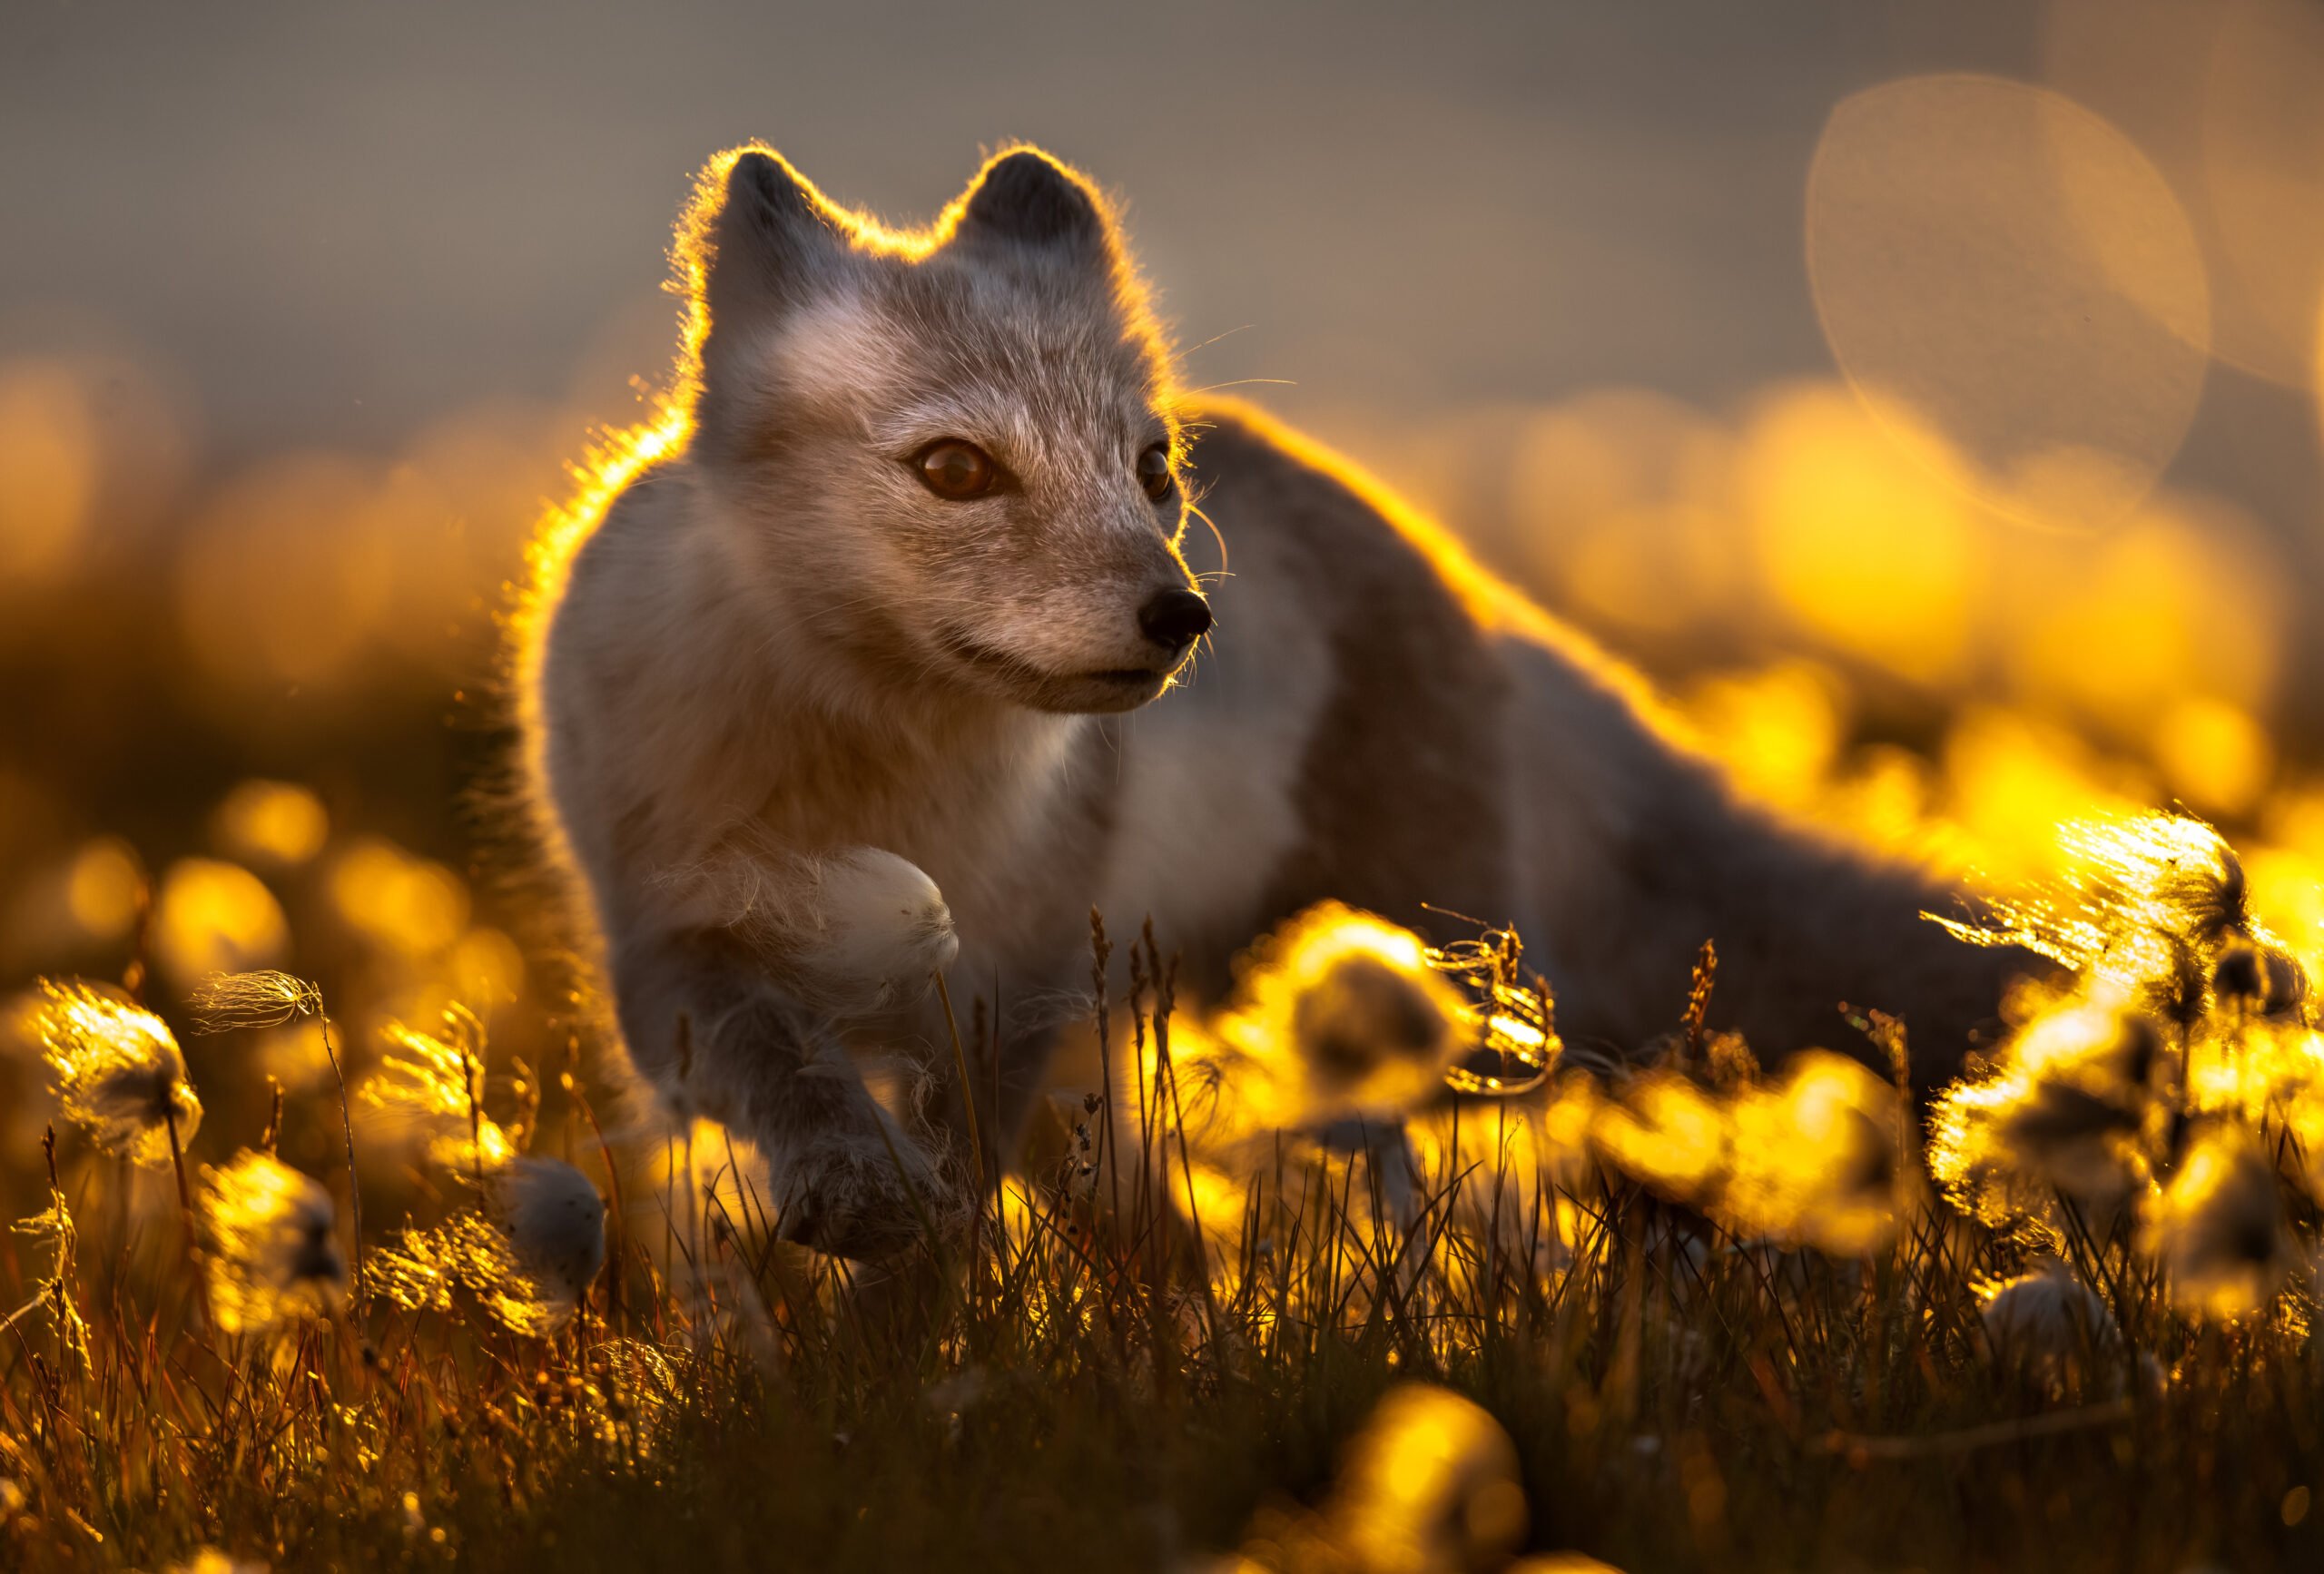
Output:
(936, 615)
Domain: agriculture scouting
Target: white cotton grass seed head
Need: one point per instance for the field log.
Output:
(272, 1244)
(554, 1222)
(2259, 978)
(225, 1001)
(433, 1083)
(2048, 1325)
(118, 1071)
(210, 1561)
(1348, 1015)
(886, 932)
(1429, 1485)
(2146, 904)
(2218, 1229)
(1815, 1160)
(2073, 1109)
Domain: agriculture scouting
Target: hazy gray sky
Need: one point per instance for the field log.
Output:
(338, 222)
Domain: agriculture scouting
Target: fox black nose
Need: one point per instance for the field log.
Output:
(1175, 619)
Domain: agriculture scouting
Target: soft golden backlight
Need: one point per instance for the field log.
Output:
(433, 1085)
(487, 967)
(277, 822)
(49, 458)
(411, 905)
(274, 1251)
(1854, 542)
(1429, 1486)
(2215, 757)
(214, 917)
(103, 886)
(2221, 94)
(117, 1071)
(286, 574)
(1957, 599)
(1994, 262)
(1621, 495)
(2263, 160)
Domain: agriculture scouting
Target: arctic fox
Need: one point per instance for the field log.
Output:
(883, 647)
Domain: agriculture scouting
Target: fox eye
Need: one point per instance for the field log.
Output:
(958, 470)
(1153, 472)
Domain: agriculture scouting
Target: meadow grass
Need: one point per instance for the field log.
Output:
(1090, 1376)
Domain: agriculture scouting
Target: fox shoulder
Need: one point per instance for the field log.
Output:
(635, 676)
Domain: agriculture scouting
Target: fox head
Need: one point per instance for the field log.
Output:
(946, 459)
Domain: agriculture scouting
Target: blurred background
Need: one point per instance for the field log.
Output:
(1925, 394)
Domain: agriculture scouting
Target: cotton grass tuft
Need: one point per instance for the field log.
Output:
(2049, 1328)
(435, 1081)
(119, 1073)
(2219, 1228)
(225, 1001)
(273, 1252)
(555, 1224)
(2073, 1109)
(1347, 1017)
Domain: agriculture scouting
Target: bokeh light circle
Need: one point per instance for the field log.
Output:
(2263, 173)
(2011, 286)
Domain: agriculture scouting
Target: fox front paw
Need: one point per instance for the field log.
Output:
(841, 1197)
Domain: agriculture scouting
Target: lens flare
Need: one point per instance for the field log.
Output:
(1995, 263)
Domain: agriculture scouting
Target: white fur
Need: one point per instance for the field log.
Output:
(1209, 782)
(807, 732)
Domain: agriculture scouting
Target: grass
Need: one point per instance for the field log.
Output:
(1076, 1400)
(1070, 1388)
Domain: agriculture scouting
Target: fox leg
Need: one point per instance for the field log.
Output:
(759, 955)
(760, 952)
(716, 1036)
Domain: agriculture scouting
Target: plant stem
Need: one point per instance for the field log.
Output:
(346, 1129)
(976, 1143)
(193, 1231)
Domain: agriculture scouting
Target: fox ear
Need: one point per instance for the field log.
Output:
(1029, 200)
(770, 235)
